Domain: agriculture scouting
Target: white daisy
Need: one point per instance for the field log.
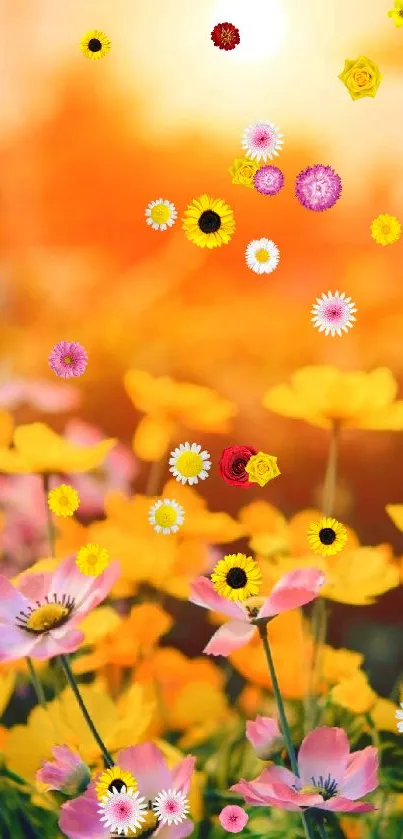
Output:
(171, 806)
(122, 811)
(262, 256)
(399, 716)
(189, 464)
(262, 141)
(161, 214)
(166, 516)
(333, 313)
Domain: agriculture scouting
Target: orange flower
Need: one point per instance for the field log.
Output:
(6, 428)
(170, 406)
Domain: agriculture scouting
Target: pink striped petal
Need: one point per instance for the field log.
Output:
(15, 643)
(48, 646)
(338, 804)
(147, 763)
(203, 593)
(79, 818)
(12, 602)
(228, 638)
(324, 752)
(182, 773)
(35, 586)
(361, 776)
(295, 589)
(279, 775)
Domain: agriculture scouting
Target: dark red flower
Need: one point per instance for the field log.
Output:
(232, 465)
(225, 36)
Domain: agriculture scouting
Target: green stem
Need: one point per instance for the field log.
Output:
(36, 683)
(74, 686)
(283, 717)
(49, 517)
(322, 829)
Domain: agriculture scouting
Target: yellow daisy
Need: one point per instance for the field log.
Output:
(95, 44)
(92, 560)
(237, 577)
(385, 229)
(114, 777)
(64, 500)
(209, 222)
(327, 536)
(397, 14)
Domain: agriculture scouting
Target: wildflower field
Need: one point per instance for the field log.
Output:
(201, 420)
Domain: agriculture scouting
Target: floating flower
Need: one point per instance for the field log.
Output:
(399, 717)
(264, 735)
(114, 777)
(232, 465)
(171, 806)
(333, 313)
(161, 214)
(386, 229)
(233, 818)
(189, 464)
(268, 180)
(237, 577)
(225, 36)
(354, 693)
(327, 537)
(318, 187)
(292, 591)
(95, 44)
(209, 222)
(123, 811)
(67, 773)
(330, 778)
(262, 468)
(262, 256)
(243, 171)
(262, 140)
(63, 500)
(68, 359)
(39, 617)
(92, 560)
(361, 77)
(166, 516)
(397, 13)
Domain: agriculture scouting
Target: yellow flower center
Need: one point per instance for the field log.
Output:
(47, 617)
(68, 359)
(189, 464)
(160, 213)
(262, 255)
(166, 515)
(253, 606)
(386, 229)
(312, 790)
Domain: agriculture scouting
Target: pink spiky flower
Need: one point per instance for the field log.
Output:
(318, 187)
(68, 359)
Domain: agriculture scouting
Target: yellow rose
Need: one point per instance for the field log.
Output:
(361, 77)
(262, 468)
(243, 170)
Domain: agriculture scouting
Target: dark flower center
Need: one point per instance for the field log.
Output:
(327, 535)
(238, 466)
(236, 578)
(209, 222)
(117, 783)
(94, 45)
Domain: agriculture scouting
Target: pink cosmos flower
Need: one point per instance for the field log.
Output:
(233, 818)
(79, 819)
(264, 735)
(68, 358)
(117, 471)
(67, 773)
(48, 397)
(39, 618)
(293, 590)
(330, 778)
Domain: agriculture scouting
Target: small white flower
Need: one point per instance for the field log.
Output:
(262, 256)
(161, 214)
(333, 313)
(166, 516)
(189, 464)
(122, 811)
(262, 141)
(399, 717)
(171, 806)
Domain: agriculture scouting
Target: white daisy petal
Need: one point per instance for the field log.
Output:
(189, 463)
(262, 256)
(166, 516)
(161, 214)
(333, 313)
(171, 807)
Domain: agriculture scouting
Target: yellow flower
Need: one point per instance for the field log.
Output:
(355, 694)
(397, 13)
(39, 449)
(327, 537)
(243, 171)
(237, 577)
(395, 511)
(64, 500)
(386, 229)
(7, 682)
(338, 665)
(361, 77)
(209, 222)
(107, 778)
(383, 714)
(92, 560)
(170, 405)
(324, 395)
(95, 44)
(262, 468)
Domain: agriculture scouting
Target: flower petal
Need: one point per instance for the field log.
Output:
(229, 637)
(15, 643)
(338, 804)
(361, 776)
(295, 589)
(147, 763)
(203, 593)
(11, 601)
(182, 773)
(324, 752)
(79, 818)
(49, 646)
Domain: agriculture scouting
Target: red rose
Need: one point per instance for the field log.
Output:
(232, 465)
(225, 36)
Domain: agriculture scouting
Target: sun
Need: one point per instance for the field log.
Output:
(261, 25)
